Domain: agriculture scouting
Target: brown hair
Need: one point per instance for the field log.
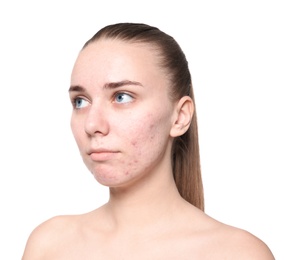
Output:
(185, 149)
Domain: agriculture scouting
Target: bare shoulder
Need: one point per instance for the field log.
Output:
(229, 242)
(245, 245)
(48, 236)
(209, 238)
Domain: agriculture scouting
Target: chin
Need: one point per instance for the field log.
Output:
(114, 181)
(109, 180)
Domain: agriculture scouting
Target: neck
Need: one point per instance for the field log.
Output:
(145, 203)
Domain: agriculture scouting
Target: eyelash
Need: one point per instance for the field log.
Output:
(115, 95)
(74, 102)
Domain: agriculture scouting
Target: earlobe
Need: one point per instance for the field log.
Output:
(184, 113)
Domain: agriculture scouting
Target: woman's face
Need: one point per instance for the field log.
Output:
(122, 115)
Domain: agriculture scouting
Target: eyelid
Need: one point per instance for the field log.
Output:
(126, 93)
(75, 98)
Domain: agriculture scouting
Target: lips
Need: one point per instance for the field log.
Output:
(102, 154)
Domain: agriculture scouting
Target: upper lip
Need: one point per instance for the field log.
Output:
(100, 150)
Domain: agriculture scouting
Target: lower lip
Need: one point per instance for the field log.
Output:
(102, 156)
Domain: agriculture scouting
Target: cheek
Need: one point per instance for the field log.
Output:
(142, 131)
(77, 131)
(149, 137)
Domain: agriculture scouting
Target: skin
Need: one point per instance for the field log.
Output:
(124, 132)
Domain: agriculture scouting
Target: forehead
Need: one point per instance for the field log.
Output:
(111, 60)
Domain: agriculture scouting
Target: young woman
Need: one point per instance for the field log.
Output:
(134, 121)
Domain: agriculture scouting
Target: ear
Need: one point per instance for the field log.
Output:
(183, 116)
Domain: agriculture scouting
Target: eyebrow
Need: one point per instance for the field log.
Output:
(110, 85)
(121, 83)
(76, 89)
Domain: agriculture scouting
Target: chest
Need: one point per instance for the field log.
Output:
(131, 249)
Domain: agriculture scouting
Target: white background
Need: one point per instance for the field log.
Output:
(236, 51)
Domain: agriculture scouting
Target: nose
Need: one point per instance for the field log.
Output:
(96, 122)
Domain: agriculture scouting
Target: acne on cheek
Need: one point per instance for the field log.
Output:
(146, 131)
(151, 127)
(127, 173)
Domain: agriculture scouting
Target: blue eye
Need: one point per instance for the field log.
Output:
(80, 103)
(123, 98)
